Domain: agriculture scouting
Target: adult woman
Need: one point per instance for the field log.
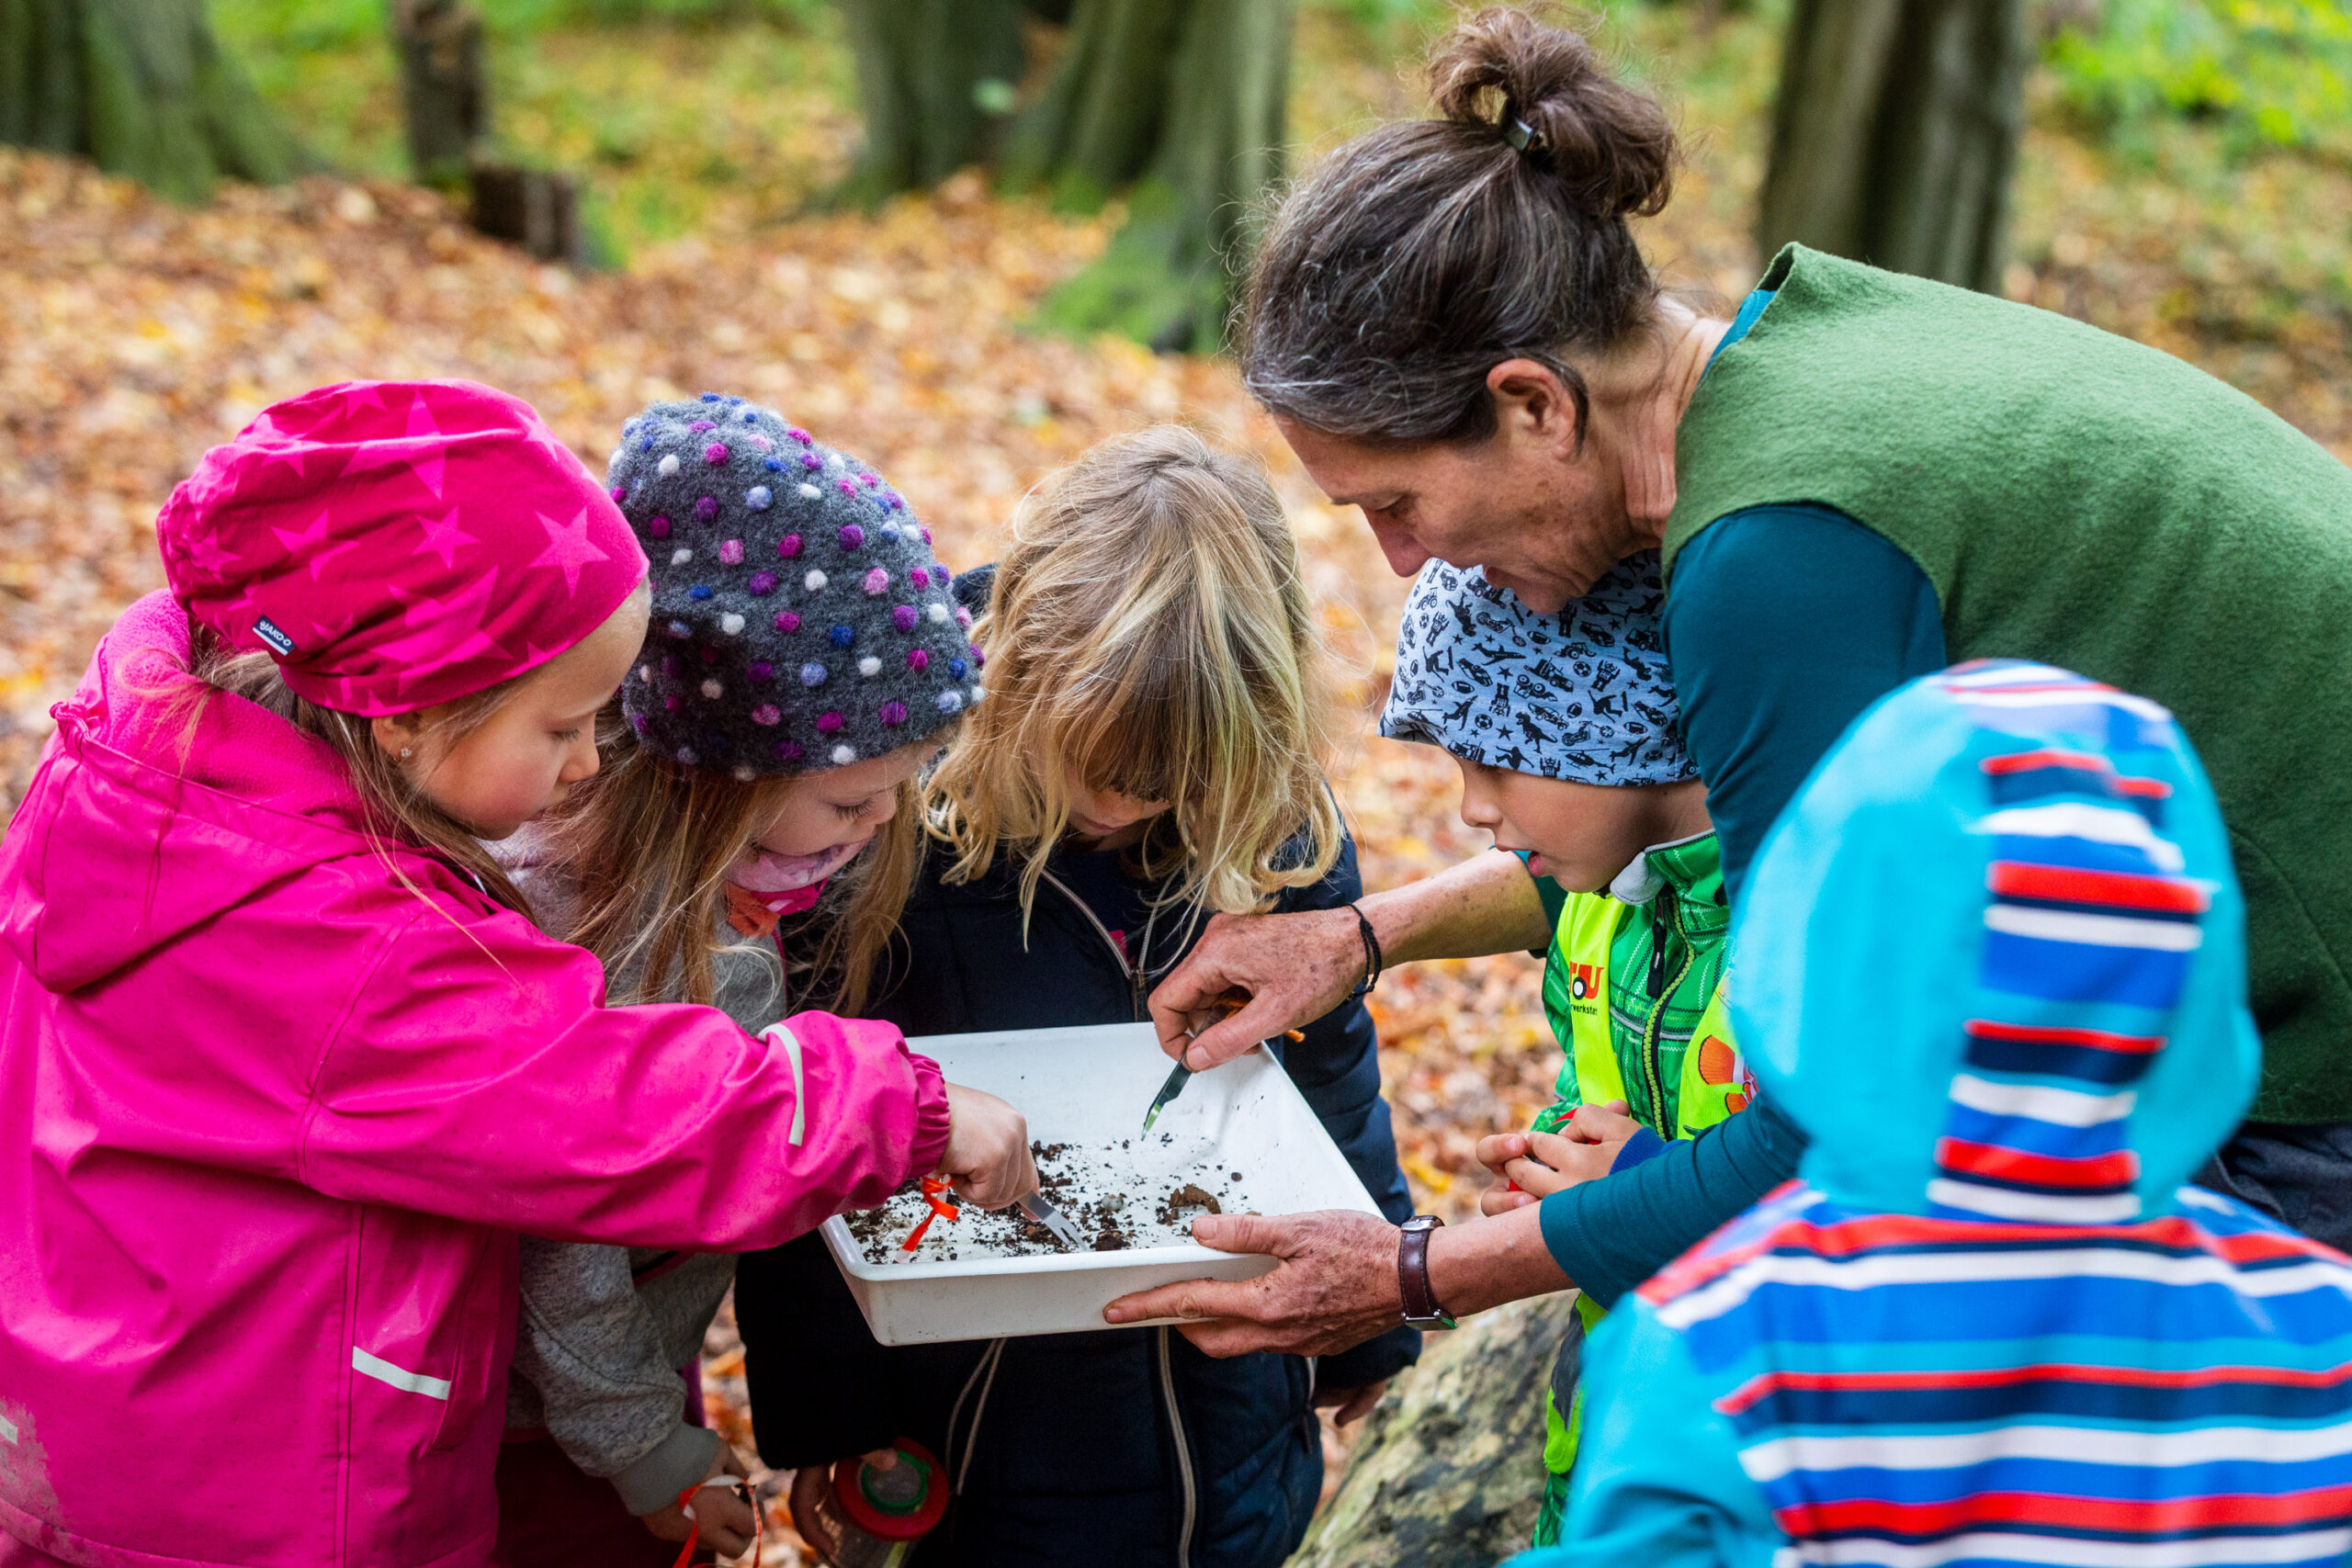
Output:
(1860, 479)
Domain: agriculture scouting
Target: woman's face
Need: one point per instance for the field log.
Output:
(842, 806)
(1544, 518)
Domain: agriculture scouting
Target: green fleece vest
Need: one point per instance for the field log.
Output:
(2085, 500)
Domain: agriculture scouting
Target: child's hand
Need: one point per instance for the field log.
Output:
(726, 1520)
(1543, 1163)
(1612, 1122)
(987, 1149)
(1350, 1404)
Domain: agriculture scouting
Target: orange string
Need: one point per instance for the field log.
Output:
(693, 1529)
(932, 1187)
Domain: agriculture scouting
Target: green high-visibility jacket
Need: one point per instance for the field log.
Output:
(1635, 993)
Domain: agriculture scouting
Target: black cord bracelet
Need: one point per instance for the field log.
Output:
(1371, 961)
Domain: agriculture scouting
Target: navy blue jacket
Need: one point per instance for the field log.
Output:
(1124, 1446)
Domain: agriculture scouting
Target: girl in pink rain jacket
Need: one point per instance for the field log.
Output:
(279, 1082)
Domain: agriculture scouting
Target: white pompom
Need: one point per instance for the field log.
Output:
(938, 613)
(844, 755)
(813, 581)
(869, 666)
(743, 772)
(681, 556)
(713, 689)
(812, 492)
(667, 465)
(731, 623)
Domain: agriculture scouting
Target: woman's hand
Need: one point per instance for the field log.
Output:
(726, 1517)
(987, 1149)
(1539, 1164)
(1294, 969)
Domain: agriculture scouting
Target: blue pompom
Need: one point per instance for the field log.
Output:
(774, 465)
(812, 674)
(757, 498)
(843, 636)
(702, 591)
(710, 397)
(680, 628)
(955, 667)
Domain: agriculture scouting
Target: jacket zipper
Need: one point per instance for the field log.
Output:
(1183, 1450)
(1136, 975)
(1651, 1067)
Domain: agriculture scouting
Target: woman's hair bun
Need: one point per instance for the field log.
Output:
(1610, 144)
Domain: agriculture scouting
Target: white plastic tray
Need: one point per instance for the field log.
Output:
(1090, 1087)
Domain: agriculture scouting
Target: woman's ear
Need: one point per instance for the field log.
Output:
(397, 733)
(1532, 403)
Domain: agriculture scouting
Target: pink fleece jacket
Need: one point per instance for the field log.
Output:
(270, 1123)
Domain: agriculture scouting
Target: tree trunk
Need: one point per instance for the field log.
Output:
(530, 208)
(934, 79)
(1448, 1470)
(1210, 109)
(1895, 133)
(141, 88)
(444, 95)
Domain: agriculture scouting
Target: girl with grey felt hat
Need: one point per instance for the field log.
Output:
(806, 660)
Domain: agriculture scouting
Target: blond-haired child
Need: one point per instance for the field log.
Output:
(1148, 758)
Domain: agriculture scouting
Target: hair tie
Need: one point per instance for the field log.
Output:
(1524, 136)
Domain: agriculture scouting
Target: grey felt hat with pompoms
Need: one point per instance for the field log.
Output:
(800, 620)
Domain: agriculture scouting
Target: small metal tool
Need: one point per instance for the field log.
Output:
(1040, 1208)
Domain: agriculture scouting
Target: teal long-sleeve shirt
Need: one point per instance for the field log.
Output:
(1783, 623)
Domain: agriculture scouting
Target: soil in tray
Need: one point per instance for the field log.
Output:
(1100, 1192)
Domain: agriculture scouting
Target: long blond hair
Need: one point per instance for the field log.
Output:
(1148, 625)
(645, 846)
(397, 810)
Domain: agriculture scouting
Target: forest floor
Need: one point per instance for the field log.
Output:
(133, 335)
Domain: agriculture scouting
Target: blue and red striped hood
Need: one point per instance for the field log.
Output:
(1992, 957)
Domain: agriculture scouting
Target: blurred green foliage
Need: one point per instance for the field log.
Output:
(678, 116)
(2270, 72)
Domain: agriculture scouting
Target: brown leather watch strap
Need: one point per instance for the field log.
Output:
(1420, 1303)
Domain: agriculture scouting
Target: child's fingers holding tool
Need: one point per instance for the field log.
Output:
(988, 1154)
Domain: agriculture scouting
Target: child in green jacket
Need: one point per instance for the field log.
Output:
(1564, 727)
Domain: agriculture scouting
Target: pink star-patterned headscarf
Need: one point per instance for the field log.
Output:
(398, 544)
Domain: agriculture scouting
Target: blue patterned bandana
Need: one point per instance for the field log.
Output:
(1583, 694)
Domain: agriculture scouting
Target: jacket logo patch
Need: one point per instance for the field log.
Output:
(270, 632)
(1581, 982)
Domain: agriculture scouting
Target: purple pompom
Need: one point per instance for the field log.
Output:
(919, 577)
(827, 723)
(906, 618)
(786, 622)
(705, 507)
(788, 547)
(762, 582)
(760, 671)
(619, 492)
(801, 436)
(877, 582)
(917, 660)
(767, 712)
(659, 528)
(715, 454)
(894, 713)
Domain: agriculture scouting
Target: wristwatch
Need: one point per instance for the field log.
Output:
(1421, 1310)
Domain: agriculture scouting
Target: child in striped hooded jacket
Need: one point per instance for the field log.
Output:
(1992, 958)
